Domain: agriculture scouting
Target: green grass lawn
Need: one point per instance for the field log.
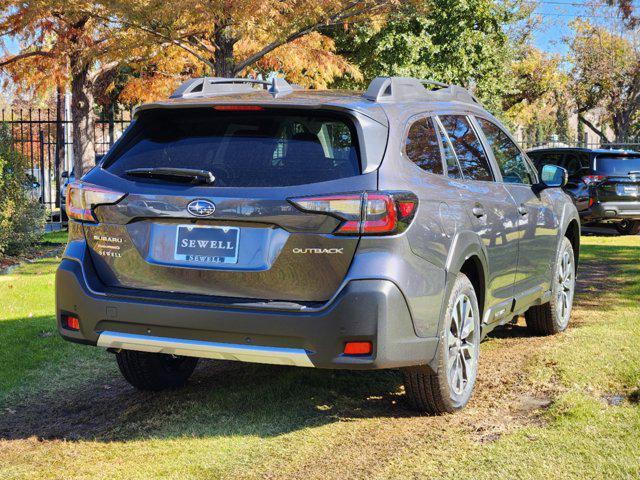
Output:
(66, 413)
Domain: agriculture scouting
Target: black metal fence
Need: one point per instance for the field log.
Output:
(44, 136)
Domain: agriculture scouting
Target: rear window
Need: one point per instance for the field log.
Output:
(242, 148)
(612, 165)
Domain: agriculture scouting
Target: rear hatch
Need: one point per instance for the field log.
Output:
(620, 177)
(207, 208)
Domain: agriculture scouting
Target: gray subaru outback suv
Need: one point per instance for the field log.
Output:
(251, 221)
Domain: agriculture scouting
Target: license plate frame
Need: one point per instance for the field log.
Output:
(196, 253)
(629, 190)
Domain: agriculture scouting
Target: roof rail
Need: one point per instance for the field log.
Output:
(403, 89)
(212, 86)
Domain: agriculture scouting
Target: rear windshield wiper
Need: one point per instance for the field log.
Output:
(176, 174)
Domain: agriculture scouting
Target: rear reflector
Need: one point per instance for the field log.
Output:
(70, 322)
(358, 348)
(237, 108)
(367, 213)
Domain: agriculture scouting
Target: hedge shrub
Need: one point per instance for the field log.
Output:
(22, 217)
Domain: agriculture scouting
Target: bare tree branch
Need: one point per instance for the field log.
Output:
(593, 128)
(22, 56)
(186, 47)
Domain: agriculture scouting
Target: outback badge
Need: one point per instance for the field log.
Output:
(201, 208)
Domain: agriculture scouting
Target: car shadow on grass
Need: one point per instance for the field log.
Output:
(221, 399)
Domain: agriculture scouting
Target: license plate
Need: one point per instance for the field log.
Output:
(628, 190)
(199, 244)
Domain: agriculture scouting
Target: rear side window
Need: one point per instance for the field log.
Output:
(471, 155)
(613, 166)
(542, 159)
(511, 162)
(244, 148)
(422, 146)
(575, 164)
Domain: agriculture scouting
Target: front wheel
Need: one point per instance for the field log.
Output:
(553, 316)
(449, 388)
(155, 371)
(628, 227)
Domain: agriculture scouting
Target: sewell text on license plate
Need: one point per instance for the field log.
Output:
(207, 244)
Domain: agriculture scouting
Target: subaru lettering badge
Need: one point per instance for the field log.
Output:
(201, 208)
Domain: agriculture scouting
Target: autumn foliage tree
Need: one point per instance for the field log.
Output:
(65, 43)
(247, 37)
(606, 77)
(60, 43)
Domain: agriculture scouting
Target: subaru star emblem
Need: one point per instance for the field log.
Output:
(201, 208)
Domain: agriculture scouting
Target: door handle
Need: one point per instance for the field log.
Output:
(478, 211)
(522, 210)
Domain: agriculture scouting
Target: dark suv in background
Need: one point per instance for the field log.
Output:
(604, 184)
(328, 229)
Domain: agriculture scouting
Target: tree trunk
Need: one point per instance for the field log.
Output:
(224, 62)
(82, 119)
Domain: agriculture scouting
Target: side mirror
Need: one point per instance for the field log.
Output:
(64, 174)
(553, 176)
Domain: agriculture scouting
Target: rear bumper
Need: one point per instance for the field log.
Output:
(612, 211)
(364, 310)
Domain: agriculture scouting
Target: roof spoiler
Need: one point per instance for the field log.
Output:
(402, 89)
(212, 86)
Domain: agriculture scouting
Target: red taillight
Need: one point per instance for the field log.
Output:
(367, 213)
(358, 348)
(406, 208)
(380, 215)
(82, 198)
(237, 108)
(591, 201)
(591, 179)
(71, 322)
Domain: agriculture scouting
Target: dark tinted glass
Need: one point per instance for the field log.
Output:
(510, 160)
(611, 165)
(542, 159)
(242, 149)
(422, 146)
(471, 156)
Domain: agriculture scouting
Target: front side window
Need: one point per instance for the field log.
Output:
(422, 146)
(471, 155)
(511, 161)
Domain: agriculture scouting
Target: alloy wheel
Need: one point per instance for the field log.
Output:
(566, 286)
(462, 355)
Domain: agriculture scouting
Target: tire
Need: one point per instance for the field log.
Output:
(628, 227)
(553, 316)
(443, 391)
(155, 371)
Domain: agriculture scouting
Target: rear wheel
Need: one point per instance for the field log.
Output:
(553, 316)
(449, 388)
(155, 371)
(628, 227)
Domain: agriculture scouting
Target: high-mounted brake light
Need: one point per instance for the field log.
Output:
(367, 213)
(82, 198)
(593, 179)
(237, 108)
